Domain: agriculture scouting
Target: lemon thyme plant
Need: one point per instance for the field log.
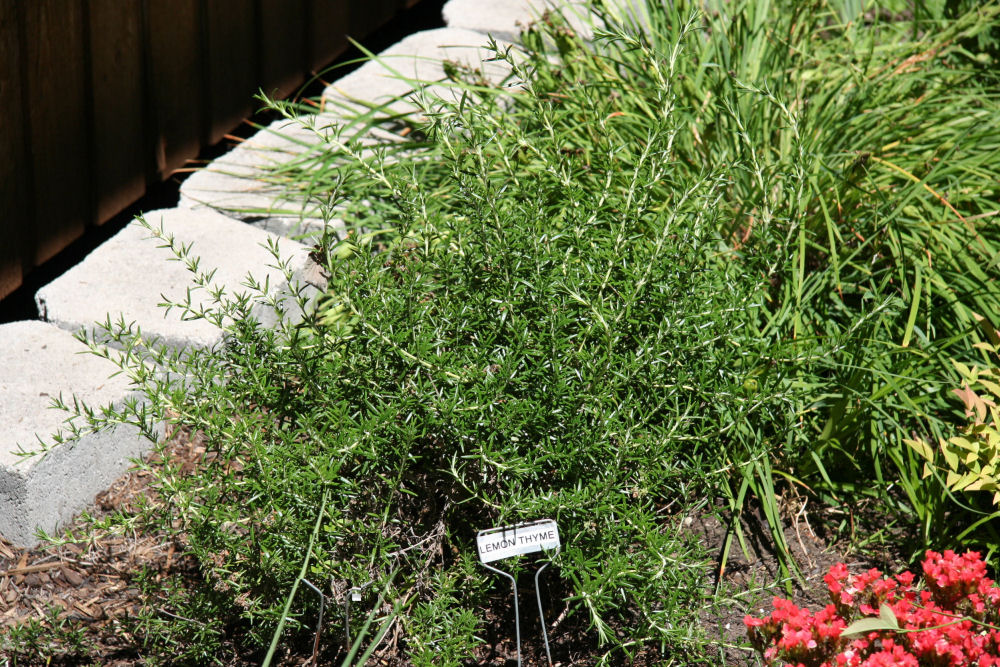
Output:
(541, 334)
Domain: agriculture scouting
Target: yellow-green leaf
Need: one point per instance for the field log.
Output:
(987, 328)
(992, 386)
(964, 370)
(922, 448)
(863, 626)
(964, 443)
(886, 613)
(970, 482)
(949, 457)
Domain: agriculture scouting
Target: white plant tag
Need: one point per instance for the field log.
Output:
(522, 538)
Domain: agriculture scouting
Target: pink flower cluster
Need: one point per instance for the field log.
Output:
(953, 620)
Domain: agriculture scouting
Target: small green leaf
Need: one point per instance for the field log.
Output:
(992, 386)
(886, 620)
(988, 328)
(863, 626)
(886, 613)
(922, 448)
(964, 443)
(950, 457)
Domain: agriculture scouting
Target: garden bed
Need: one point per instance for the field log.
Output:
(84, 602)
(712, 290)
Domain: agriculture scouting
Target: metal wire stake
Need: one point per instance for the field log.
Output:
(517, 614)
(541, 613)
(319, 621)
(347, 625)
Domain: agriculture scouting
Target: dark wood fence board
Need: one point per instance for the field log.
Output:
(328, 22)
(117, 105)
(282, 44)
(173, 36)
(55, 80)
(101, 98)
(366, 16)
(14, 206)
(231, 59)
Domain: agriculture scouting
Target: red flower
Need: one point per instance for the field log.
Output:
(944, 623)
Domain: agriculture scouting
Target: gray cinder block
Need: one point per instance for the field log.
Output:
(131, 274)
(240, 183)
(39, 362)
(418, 58)
(236, 183)
(503, 19)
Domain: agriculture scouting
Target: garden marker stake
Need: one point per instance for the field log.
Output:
(522, 538)
(319, 622)
(354, 596)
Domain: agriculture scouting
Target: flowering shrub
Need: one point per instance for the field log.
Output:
(952, 620)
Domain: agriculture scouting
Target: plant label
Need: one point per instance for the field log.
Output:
(522, 538)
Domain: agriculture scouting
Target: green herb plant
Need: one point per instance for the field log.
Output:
(539, 335)
(858, 143)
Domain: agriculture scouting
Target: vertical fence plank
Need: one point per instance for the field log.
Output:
(231, 64)
(328, 21)
(175, 90)
(117, 96)
(282, 45)
(15, 214)
(55, 83)
(366, 16)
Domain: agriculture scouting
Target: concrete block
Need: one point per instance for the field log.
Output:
(237, 183)
(39, 362)
(130, 274)
(389, 79)
(241, 184)
(503, 19)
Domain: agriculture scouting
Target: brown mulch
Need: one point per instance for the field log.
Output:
(91, 584)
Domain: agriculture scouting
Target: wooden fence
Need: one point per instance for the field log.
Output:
(101, 98)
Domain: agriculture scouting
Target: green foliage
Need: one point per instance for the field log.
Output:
(644, 271)
(541, 335)
(860, 143)
(52, 638)
(856, 144)
(442, 628)
(180, 624)
(971, 459)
